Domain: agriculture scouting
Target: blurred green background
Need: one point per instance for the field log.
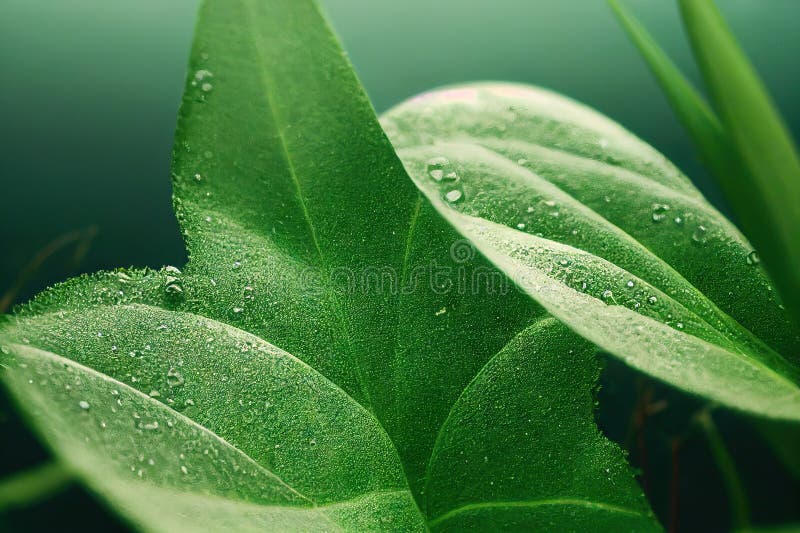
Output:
(89, 91)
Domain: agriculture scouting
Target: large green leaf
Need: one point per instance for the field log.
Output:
(607, 235)
(333, 355)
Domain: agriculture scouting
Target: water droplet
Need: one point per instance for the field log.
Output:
(522, 162)
(198, 177)
(83, 404)
(202, 74)
(237, 264)
(660, 212)
(453, 196)
(174, 378)
(237, 310)
(678, 220)
(184, 470)
(206, 87)
(530, 209)
(521, 225)
(752, 258)
(700, 234)
(607, 294)
(652, 300)
(440, 312)
(436, 167)
(173, 286)
(149, 426)
(679, 325)
(630, 283)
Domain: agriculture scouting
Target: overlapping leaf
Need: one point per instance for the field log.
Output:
(607, 235)
(334, 355)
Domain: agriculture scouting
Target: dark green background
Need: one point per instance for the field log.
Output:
(89, 91)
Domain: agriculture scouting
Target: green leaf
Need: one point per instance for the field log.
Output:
(607, 235)
(698, 118)
(722, 160)
(31, 486)
(766, 194)
(334, 355)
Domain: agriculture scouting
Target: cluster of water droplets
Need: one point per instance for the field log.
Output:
(442, 171)
(173, 284)
(661, 212)
(202, 81)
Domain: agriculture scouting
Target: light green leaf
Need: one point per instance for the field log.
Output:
(334, 355)
(607, 235)
(766, 194)
(698, 118)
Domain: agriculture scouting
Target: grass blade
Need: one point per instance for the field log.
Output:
(697, 117)
(765, 195)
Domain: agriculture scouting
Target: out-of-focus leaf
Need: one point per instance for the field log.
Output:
(765, 195)
(31, 486)
(697, 117)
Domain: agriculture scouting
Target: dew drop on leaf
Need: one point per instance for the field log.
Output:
(436, 167)
(174, 378)
(659, 212)
(453, 196)
(202, 74)
(700, 234)
(752, 258)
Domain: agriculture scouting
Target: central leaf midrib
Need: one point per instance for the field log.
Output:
(336, 304)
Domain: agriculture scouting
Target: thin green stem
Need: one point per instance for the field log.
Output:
(31, 486)
(740, 509)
